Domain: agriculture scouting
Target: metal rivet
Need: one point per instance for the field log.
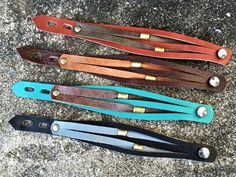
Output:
(214, 81)
(123, 96)
(122, 132)
(159, 49)
(63, 61)
(55, 128)
(222, 53)
(138, 109)
(137, 147)
(77, 29)
(144, 36)
(204, 153)
(136, 65)
(202, 111)
(56, 92)
(152, 78)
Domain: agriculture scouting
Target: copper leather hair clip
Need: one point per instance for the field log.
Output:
(136, 40)
(132, 70)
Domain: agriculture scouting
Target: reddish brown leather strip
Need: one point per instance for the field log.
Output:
(208, 52)
(83, 96)
(98, 94)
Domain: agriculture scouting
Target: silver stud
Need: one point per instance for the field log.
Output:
(222, 53)
(202, 111)
(77, 29)
(204, 153)
(214, 81)
(55, 128)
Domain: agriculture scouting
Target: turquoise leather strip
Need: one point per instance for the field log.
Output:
(184, 110)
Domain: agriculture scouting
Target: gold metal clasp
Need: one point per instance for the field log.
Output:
(144, 36)
(139, 109)
(138, 147)
(159, 49)
(136, 65)
(123, 95)
(152, 78)
(122, 132)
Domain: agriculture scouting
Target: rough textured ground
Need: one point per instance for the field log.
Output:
(28, 154)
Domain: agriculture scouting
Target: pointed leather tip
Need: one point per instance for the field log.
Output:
(11, 121)
(30, 53)
(14, 121)
(16, 87)
(36, 19)
(23, 51)
(39, 56)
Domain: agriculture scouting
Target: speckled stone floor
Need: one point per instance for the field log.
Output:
(28, 154)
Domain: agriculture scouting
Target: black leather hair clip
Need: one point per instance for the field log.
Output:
(116, 136)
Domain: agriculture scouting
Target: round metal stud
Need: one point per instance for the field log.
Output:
(55, 128)
(222, 53)
(204, 153)
(202, 111)
(63, 61)
(77, 29)
(56, 92)
(214, 81)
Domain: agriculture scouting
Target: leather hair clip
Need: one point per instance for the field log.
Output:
(116, 136)
(117, 101)
(141, 41)
(132, 70)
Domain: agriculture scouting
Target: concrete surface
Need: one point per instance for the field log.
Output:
(29, 154)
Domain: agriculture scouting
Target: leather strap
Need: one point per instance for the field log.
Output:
(88, 97)
(123, 102)
(133, 70)
(116, 136)
(141, 41)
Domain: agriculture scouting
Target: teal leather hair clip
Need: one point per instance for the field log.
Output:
(117, 101)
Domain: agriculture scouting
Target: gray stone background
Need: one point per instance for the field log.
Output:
(30, 154)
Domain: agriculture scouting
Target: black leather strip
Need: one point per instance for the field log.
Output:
(179, 148)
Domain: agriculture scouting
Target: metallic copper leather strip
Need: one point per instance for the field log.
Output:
(98, 61)
(119, 68)
(73, 62)
(102, 70)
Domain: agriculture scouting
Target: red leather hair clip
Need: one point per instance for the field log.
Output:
(136, 40)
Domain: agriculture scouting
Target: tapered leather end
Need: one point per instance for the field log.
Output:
(31, 123)
(39, 56)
